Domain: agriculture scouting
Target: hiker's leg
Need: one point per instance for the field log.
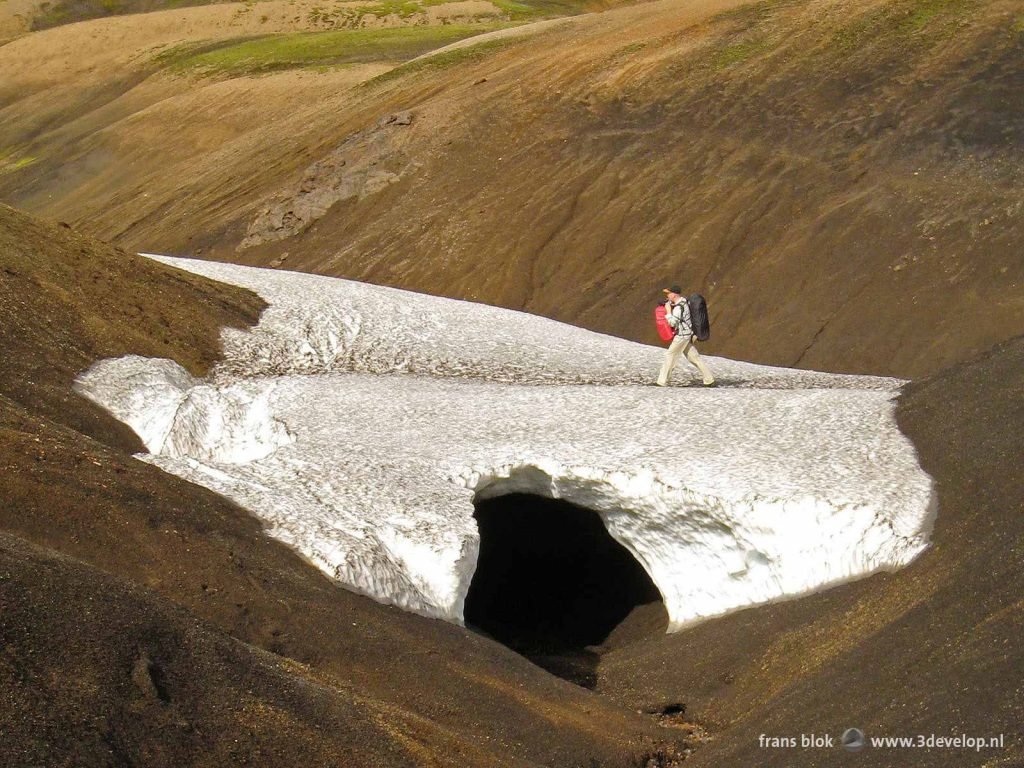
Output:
(671, 356)
(694, 357)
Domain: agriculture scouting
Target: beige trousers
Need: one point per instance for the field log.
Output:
(683, 345)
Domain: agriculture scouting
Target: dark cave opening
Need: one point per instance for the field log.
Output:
(554, 586)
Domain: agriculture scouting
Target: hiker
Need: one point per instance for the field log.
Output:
(677, 315)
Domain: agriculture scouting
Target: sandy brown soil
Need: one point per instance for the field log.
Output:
(78, 80)
(228, 19)
(16, 17)
(932, 649)
(842, 180)
(180, 634)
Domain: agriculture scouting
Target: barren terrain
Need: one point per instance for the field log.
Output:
(843, 180)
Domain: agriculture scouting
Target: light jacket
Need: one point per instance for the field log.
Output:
(678, 316)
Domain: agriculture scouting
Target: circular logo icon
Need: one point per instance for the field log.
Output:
(852, 740)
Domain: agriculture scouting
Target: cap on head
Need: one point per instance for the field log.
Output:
(673, 289)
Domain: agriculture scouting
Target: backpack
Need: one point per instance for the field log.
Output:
(665, 331)
(699, 317)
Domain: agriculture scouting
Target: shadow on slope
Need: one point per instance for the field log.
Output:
(553, 585)
(932, 649)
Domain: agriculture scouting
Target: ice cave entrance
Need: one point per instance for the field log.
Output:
(554, 586)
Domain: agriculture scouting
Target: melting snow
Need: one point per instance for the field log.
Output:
(360, 422)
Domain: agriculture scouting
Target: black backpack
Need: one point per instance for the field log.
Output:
(699, 317)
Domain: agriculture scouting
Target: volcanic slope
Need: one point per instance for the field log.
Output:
(932, 649)
(843, 180)
(148, 621)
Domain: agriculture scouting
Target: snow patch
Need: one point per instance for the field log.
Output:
(176, 415)
(361, 423)
(143, 393)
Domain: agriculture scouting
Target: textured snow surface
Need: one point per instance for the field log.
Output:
(360, 423)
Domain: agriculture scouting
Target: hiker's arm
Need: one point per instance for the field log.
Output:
(671, 318)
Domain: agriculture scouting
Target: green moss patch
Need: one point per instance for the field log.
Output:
(57, 12)
(924, 12)
(916, 21)
(315, 49)
(743, 34)
(470, 53)
(738, 53)
(536, 10)
(351, 16)
(12, 161)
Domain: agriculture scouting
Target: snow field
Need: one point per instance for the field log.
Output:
(360, 423)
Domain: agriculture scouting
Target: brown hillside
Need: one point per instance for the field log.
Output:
(68, 300)
(180, 634)
(25, 15)
(841, 179)
(932, 649)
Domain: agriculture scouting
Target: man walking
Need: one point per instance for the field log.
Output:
(677, 314)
